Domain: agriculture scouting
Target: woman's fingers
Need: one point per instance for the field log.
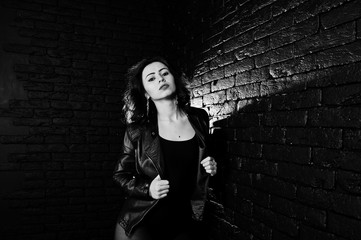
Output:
(210, 165)
(159, 188)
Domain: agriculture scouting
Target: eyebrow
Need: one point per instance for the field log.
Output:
(154, 72)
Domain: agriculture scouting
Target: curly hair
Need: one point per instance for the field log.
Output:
(135, 102)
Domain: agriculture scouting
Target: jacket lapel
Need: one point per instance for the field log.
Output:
(152, 148)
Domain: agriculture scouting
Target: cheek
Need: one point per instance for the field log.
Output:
(149, 89)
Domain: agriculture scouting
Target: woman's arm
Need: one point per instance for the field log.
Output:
(125, 173)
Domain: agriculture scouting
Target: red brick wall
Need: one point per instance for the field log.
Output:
(281, 81)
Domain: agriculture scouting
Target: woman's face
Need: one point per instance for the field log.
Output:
(158, 81)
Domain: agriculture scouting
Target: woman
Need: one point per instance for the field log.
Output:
(163, 169)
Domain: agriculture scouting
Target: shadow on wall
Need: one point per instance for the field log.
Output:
(289, 161)
(10, 88)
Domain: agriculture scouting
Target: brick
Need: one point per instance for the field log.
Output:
(209, 54)
(242, 120)
(347, 12)
(322, 137)
(315, 7)
(255, 75)
(222, 60)
(342, 95)
(253, 21)
(280, 7)
(52, 113)
(21, 139)
(249, 134)
(277, 221)
(47, 148)
(214, 98)
(340, 55)
(294, 33)
(200, 69)
(252, 49)
(348, 160)
(23, 5)
(252, 150)
(335, 117)
(23, 49)
(316, 197)
(7, 127)
(253, 105)
(289, 118)
(18, 112)
(272, 135)
(222, 109)
(329, 38)
(308, 175)
(344, 226)
(349, 73)
(310, 216)
(238, 67)
(222, 84)
(253, 195)
(213, 75)
(307, 99)
(292, 154)
(276, 24)
(32, 122)
(244, 91)
(50, 61)
(53, 26)
(352, 139)
(33, 68)
(237, 41)
(310, 233)
(350, 183)
(47, 78)
(275, 56)
(273, 87)
(34, 86)
(294, 66)
(279, 235)
(49, 35)
(273, 185)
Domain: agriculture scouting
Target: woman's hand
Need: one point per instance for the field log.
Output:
(158, 188)
(210, 165)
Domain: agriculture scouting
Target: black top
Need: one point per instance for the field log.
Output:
(180, 169)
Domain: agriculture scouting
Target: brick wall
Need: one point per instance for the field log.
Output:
(281, 81)
(62, 65)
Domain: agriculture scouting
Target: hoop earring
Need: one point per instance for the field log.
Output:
(147, 107)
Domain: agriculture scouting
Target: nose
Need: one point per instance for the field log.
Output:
(161, 78)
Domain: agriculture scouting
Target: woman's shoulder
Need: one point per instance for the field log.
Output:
(134, 130)
(199, 112)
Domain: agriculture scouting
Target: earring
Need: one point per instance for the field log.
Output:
(176, 99)
(147, 107)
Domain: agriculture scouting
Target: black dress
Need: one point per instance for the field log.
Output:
(172, 216)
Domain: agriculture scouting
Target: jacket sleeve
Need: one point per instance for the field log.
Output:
(125, 173)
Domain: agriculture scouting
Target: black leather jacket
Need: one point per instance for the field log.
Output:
(141, 161)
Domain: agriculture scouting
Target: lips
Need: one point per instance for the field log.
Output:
(164, 86)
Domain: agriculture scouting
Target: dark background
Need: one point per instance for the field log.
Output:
(281, 82)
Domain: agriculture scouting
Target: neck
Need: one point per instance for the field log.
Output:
(167, 110)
